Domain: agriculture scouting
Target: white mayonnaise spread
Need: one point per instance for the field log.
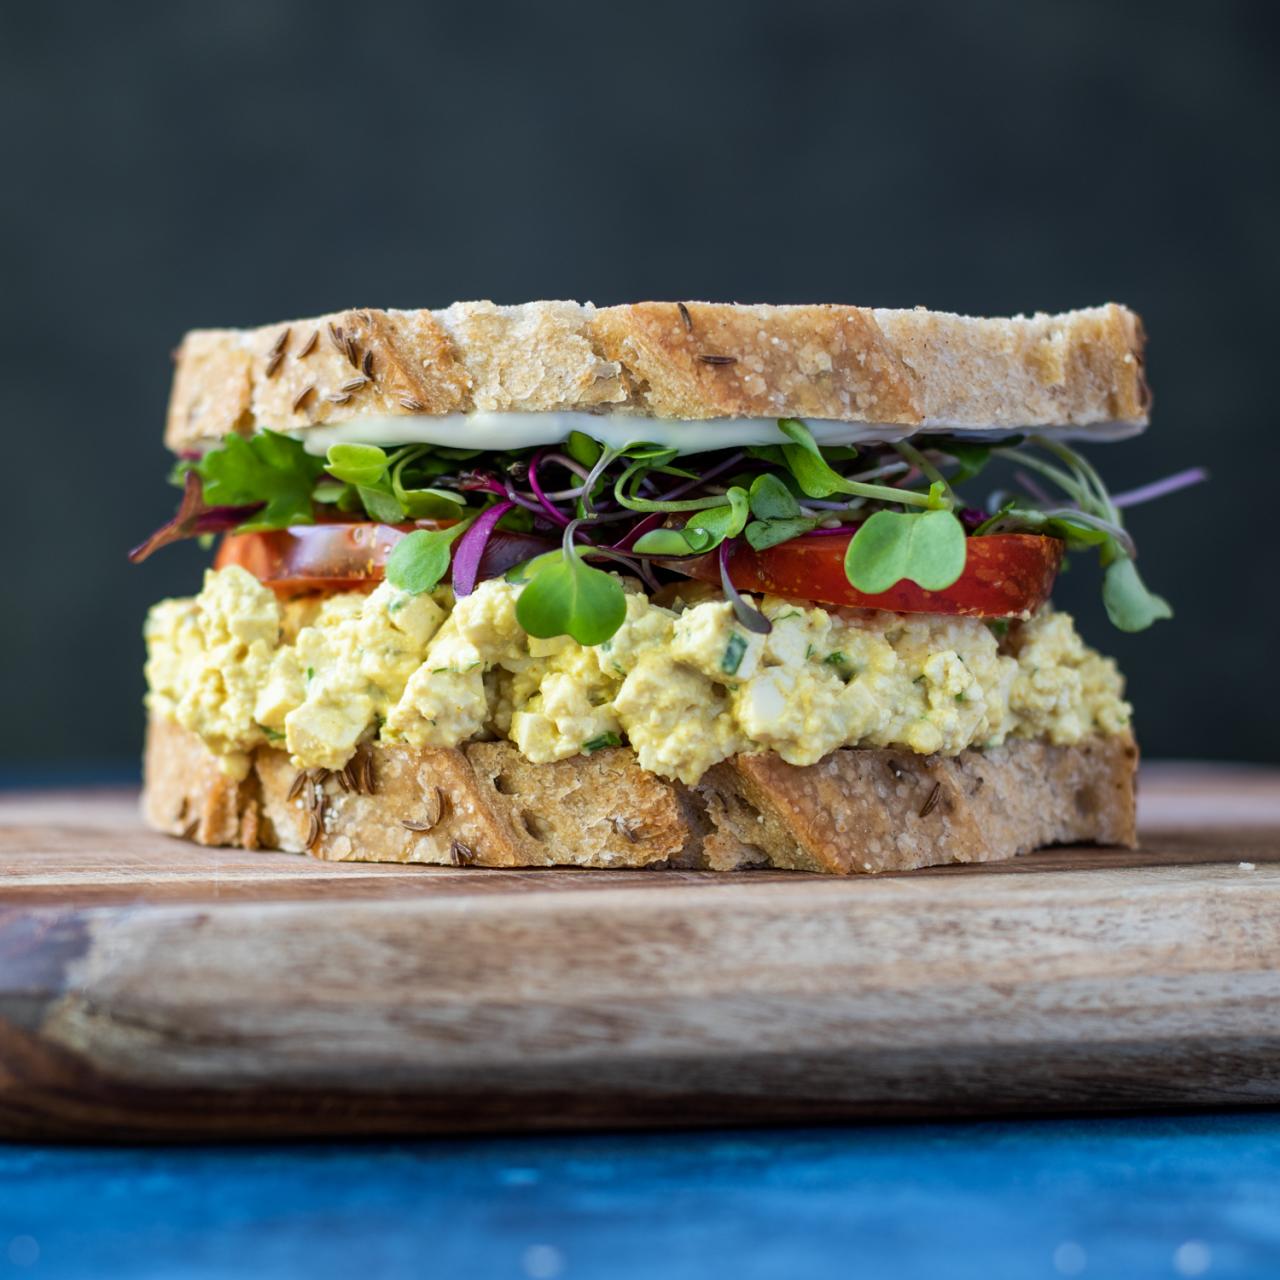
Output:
(500, 432)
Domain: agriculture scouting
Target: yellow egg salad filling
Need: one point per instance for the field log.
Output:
(682, 682)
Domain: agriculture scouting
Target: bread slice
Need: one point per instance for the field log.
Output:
(1079, 372)
(858, 810)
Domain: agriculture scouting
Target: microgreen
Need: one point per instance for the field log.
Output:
(359, 464)
(582, 449)
(418, 562)
(709, 528)
(770, 499)
(762, 534)
(819, 480)
(380, 504)
(971, 457)
(1129, 603)
(927, 548)
(567, 597)
(1094, 521)
(604, 740)
(662, 542)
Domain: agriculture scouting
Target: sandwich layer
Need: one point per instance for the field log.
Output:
(856, 810)
(681, 681)
(896, 372)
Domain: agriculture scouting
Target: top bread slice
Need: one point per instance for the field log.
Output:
(1079, 373)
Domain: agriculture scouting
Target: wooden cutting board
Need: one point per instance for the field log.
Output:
(151, 989)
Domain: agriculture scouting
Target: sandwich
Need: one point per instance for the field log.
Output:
(663, 585)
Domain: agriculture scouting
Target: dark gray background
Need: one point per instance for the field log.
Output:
(193, 164)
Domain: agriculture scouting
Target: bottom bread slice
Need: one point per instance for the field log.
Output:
(483, 804)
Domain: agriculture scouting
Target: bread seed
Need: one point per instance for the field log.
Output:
(932, 802)
(624, 829)
(718, 359)
(364, 773)
(432, 818)
(299, 781)
(354, 384)
(310, 345)
(335, 336)
(412, 404)
(338, 397)
(461, 855)
(686, 317)
(301, 398)
(313, 831)
(366, 365)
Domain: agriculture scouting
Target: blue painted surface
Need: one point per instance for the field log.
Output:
(1128, 1197)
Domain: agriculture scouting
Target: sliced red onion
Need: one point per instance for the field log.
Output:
(470, 549)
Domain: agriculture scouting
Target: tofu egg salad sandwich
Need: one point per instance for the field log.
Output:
(659, 585)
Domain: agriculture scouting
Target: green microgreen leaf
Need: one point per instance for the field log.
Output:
(711, 527)
(267, 468)
(806, 462)
(426, 502)
(663, 542)
(656, 455)
(927, 548)
(1131, 606)
(381, 504)
(583, 449)
(567, 597)
(770, 499)
(604, 740)
(818, 480)
(418, 563)
(359, 464)
(762, 534)
(971, 457)
(431, 504)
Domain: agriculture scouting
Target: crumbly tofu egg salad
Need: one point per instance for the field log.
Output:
(789, 597)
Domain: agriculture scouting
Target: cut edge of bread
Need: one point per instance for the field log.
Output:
(1077, 373)
(859, 810)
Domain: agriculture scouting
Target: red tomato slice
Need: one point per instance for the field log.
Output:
(1005, 575)
(348, 555)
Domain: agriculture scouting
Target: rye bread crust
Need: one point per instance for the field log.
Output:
(857, 810)
(1077, 371)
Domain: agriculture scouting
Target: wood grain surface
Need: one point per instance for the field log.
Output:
(153, 989)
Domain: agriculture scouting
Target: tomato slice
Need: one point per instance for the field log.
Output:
(1005, 575)
(349, 555)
